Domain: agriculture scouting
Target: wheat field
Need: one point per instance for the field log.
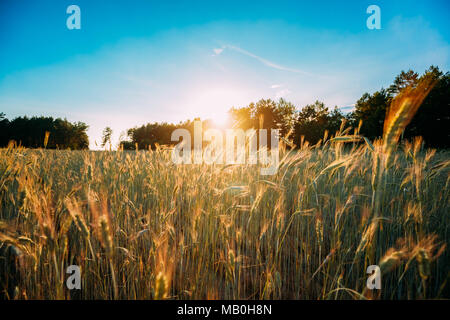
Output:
(141, 227)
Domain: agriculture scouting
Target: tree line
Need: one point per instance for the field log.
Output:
(38, 132)
(310, 123)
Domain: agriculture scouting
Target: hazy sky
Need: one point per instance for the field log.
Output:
(135, 62)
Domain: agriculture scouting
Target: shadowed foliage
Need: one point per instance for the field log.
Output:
(32, 132)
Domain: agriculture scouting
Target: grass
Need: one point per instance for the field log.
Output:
(141, 227)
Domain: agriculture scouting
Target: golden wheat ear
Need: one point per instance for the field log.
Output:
(402, 109)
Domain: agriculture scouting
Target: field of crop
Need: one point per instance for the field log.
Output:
(141, 227)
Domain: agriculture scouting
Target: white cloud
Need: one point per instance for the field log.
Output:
(275, 86)
(282, 93)
(218, 51)
(267, 62)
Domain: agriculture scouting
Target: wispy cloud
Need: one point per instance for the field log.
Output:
(267, 62)
(282, 93)
(217, 51)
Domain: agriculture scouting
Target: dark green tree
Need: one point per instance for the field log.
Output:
(265, 114)
(432, 120)
(30, 132)
(371, 109)
(403, 80)
(314, 119)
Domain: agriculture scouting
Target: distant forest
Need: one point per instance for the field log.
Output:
(310, 123)
(38, 132)
(432, 121)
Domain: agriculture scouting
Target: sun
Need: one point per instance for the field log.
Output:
(213, 103)
(220, 120)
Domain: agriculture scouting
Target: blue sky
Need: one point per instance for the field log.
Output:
(135, 62)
